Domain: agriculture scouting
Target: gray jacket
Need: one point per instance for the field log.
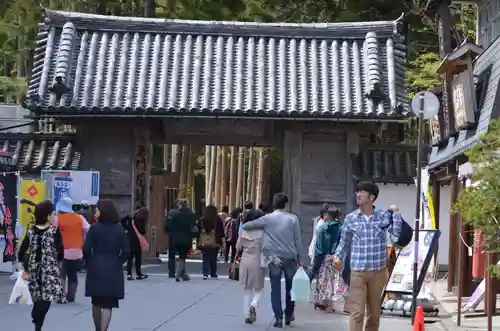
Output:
(282, 237)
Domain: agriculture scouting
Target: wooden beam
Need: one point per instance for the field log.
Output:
(436, 201)
(452, 258)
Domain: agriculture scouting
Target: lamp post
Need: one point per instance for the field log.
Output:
(426, 106)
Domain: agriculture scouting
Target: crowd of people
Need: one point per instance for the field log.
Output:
(348, 254)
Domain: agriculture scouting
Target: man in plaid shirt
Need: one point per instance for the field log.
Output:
(364, 237)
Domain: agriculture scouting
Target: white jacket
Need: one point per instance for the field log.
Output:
(317, 222)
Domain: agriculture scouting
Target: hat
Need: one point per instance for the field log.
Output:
(65, 205)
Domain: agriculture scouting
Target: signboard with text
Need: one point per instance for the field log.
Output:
(464, 105)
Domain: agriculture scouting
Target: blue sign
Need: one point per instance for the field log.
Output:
(94, 190)
(62, 188)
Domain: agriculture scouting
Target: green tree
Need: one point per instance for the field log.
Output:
(478, 203)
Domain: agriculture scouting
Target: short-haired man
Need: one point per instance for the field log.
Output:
(282, 245)
(364, 235)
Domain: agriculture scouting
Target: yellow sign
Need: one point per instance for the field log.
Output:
(32, 192)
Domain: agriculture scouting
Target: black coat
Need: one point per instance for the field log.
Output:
(105, 250)
(180, 224)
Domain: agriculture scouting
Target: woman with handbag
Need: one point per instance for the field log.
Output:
(211, 234)
(251, 273)
(136, 231)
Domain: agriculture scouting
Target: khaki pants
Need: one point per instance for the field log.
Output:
(366, 291)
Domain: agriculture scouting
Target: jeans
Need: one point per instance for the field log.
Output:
(137, 255)
(171, 257)
(70, 270)
(227, 247)
(209, 256)
(288, 269)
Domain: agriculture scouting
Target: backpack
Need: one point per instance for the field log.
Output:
(406, 233)
(230, 229)
(208, 239)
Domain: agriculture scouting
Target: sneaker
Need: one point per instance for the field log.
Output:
(252, 315)
(278, 323)
(130, 277)
(185, 278)
(214, 277)
(177, 280)
(205, 277)
(141, 277)
(171, 276)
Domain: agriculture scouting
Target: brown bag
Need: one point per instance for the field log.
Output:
(208, 239)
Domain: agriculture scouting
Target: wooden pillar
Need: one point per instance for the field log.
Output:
(260, 177)
(218, 177)
(490, 293)
(208, 150)
(233, 169)
(166, 157)
(251, 165)
(240, 176)
(223, 177)
(436, 201)
(184, 165)
(211, 181)
(452, 257)
(142, 159)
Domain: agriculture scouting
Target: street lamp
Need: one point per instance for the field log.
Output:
(426, 106)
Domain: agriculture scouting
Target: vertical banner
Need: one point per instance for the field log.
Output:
(428, 223)
(62, 188)
(31, 193)
(8, 214)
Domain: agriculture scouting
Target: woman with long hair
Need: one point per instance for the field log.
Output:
(132, 224)
(106, 249)
(330, 286)
(211, 233)
(252, 274)
(41, 264)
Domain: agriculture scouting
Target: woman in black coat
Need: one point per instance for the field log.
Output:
(105, 250)
(140, 220)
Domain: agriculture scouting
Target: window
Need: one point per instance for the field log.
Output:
(489, 22)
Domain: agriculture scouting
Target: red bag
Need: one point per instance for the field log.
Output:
(142, 240)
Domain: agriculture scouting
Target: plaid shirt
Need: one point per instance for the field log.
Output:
(366, 239)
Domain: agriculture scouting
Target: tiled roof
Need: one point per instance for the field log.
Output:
(386, 163)
(35, 152)
(92, 63)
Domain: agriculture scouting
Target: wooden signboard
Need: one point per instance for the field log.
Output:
(435, 131)
(464, 104)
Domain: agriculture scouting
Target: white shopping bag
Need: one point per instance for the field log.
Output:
(301, 286)
(21, 292)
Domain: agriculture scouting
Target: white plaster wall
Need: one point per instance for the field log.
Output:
(404, 196)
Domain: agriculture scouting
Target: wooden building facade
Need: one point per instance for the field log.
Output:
(470, 71)
(317, 91)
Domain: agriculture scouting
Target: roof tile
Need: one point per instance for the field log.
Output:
(218, 67)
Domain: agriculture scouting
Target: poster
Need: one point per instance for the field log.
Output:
(84, 184)
(401, 280)
(8, 214)
(31, 193)
(62, 188)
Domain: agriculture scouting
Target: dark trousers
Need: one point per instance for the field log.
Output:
(137, 256)
(288, 269)
(38, 313)
(171, 257)
(227, 247)
(70, 271)
(209, 256)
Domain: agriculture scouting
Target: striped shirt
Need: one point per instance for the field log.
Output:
(365, 236)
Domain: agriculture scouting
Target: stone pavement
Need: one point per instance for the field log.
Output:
(160, 304)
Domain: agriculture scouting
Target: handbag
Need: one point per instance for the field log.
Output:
(21, 292)
(142, 240)
(234, 271)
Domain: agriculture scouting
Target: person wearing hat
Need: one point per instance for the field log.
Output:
(73, 227)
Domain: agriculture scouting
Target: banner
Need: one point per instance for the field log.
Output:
(427, 222)
(62, 188)
(8, 214)
(84, 184)
(31, 193)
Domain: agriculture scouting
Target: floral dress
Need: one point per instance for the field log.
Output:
(330, 286)
(45, 278)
